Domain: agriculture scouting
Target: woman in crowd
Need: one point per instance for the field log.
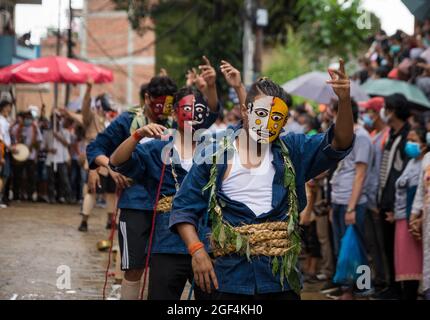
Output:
(407, 249)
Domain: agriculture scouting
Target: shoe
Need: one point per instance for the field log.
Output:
(3, 205)
(62, 200)
(109, 224)
(386, 294)
(83, 227)
(322, 277)
(329, 287)
(310, 278)
(115, 292)
(365, 293)
(335, 295)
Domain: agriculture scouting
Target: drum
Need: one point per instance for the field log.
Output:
(21, 152)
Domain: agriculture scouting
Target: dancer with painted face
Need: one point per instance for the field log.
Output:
(155, 97)
(162, 165)
(254, 198)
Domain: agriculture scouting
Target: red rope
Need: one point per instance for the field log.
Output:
(151, 236)
(112, 233)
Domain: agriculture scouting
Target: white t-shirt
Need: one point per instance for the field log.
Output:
(62, 154)
(4, 131)
(252, 187)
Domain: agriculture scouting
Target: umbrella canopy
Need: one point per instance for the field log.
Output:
(56, 70)
(313, 86)
(386, 87)
(419, 8)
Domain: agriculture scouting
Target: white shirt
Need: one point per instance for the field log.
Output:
(252, 187)
(4, 131)
(62, 155)
(28, 133)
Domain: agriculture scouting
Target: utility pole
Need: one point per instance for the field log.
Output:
(57, 53)
(248, 44)
(69, 48)
(261, 21)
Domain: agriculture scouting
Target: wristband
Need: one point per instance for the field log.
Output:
(350, 210)
(137, 136)
(192, 248)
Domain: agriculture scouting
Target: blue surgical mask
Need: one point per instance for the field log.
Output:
(368, 121)
(428, 138)
(412, 149)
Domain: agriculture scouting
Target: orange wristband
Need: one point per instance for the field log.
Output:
(192, 248)
(137, 136)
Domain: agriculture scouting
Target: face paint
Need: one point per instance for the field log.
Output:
(161, 107)
(192, 112)
(185, 111)
(201, 113)
(266, 117)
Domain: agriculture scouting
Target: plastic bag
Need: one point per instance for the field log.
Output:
(352, 255)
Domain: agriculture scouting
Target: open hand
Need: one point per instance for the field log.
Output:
(231, 74)
(204, 273)
(340, 81)
(121, 181)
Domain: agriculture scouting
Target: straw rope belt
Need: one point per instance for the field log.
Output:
(165, 204)
(267, 239)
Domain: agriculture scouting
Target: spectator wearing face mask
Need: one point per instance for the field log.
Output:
(394, 160)
(379, 133)
(407, 249)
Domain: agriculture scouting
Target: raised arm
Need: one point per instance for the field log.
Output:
(208, 75)
(344, 128)
(87, 115)
(234, 80)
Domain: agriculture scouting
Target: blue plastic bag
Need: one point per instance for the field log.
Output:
(352, 255)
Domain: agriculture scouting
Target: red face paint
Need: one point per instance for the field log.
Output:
(161, 107)
(185, 111)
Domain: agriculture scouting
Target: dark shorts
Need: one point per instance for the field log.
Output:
(168, 276)
(108, 185)
(133, 234)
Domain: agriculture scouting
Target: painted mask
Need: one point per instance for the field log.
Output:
(161, 107)
(266, 117)
(192, 112)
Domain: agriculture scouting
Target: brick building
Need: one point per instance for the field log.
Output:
(103, 36)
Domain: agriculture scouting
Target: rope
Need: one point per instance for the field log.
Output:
(151, 236)
(112, 233)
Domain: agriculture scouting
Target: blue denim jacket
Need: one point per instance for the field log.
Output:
(145, 166)
(134, 197)
(310, 157)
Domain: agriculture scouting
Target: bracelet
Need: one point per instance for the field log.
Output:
(193, 248)
(350, 210)
(137, 136)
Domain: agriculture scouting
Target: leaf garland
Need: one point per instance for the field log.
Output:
(223, 234)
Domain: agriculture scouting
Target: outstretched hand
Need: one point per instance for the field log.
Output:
(231, 74)
(340, 81)
(207, 72)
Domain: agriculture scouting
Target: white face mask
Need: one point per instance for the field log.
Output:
(384, 116)
(266, 117)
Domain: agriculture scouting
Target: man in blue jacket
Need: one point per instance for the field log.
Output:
(156, 97)
(254, 187)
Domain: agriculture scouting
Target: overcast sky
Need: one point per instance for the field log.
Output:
(37, 18)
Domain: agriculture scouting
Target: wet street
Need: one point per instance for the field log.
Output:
(37, 240)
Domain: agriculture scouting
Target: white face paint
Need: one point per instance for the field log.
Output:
(266, 117)
(258, 119)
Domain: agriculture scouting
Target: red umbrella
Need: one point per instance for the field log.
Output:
(56, 70)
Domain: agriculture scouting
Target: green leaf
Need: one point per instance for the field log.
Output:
(222, 236)
(275, 265)
(239, 242)
(248, 251)
(293, 279)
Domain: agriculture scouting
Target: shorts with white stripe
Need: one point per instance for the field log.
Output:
(133, 233)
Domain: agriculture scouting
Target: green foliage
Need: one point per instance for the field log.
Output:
(331, 26)
(290, 60)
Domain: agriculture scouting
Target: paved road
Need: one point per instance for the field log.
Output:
(36, 239)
